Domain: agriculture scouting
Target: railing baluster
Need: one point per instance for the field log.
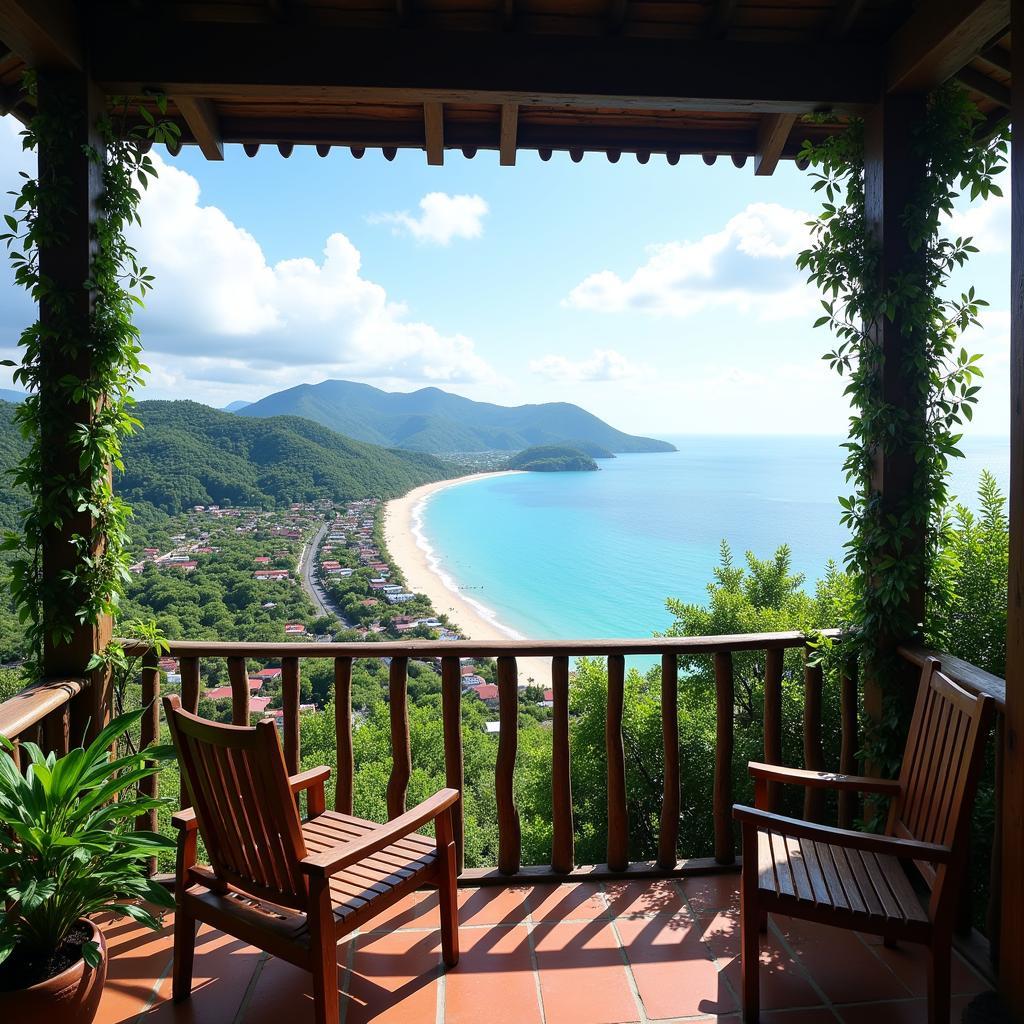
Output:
(189, 669)
(451, 718)
(563, 854)
(239, 676)
(344, 773)
(668, 835)
(814, 755)
(725, 849)
(773, 661)
(290, 702)
(993, 923)
(618, 814)
(149, 730)
(849, 743)
(509, 836)
(57, 730)
(401, 759)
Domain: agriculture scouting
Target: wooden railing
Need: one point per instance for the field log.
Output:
(721, 649)
(41, 714)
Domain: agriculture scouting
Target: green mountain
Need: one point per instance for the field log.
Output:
(189, 454)
(431, 420)
(552, 458)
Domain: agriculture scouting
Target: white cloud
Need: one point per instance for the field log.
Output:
(603, 365)
(987, 223)
(747, 266)
(442, 217)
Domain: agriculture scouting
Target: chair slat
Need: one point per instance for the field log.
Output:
(836, 892)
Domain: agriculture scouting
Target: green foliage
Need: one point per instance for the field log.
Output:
(894, 543)
(103, 340)
(68, 847)
(552, 458)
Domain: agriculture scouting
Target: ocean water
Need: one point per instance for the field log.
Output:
(575, 555)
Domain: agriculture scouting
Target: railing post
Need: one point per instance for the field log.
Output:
(290, 701)
(149, 730)
(401, 757)
(773, 663)
(344, 765)
(189, 669)
(725, 849)
(668, 834)
(618, 815)
(454, 769)
(993, 923)
(239, 676)
(563, 856)
(509, 835)
(814, 756)
(848, 709)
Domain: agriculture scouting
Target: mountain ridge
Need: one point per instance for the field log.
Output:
(433, 420)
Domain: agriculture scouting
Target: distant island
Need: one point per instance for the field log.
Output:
(552, 458)
(438, 422)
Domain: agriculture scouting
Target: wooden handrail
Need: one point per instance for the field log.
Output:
(29, 707)
(969, 676)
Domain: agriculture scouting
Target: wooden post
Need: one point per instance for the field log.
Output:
(892, 173)
(725, 703)
(509, 829)
(454, 767)
(563, 855)
(64, 169)
(618, 814)
(401, 756)
(1011, 945)
(668, 834)
(345, 767)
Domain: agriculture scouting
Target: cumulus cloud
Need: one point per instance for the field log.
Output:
(748, 265)
(442, 217)
(602, 365)
(988, 223)
(221, 316)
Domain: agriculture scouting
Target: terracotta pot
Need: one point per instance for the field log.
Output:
(71, 997)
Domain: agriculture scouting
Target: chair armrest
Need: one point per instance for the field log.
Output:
(822, 780)
(329, 862)
(904, 849)
(306, 780)
(185, 819)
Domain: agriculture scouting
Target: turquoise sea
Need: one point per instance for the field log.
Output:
(574, 555)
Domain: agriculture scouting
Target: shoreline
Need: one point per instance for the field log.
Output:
(415, 556)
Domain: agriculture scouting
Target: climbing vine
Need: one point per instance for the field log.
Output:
(894, 543)
(88, 362)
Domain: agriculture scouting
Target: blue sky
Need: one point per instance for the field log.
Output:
(662, 298)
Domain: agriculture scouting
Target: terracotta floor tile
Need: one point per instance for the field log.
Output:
(565, 902)
(843, 967)
(784, 984)
(138, 969)
(394, 979)
(493, 904)
(909, 962)
(283, 992)
(710, 893)
(222, 970)
(582, 976)
(908, 1011)
(672, 967)
(494, 979)
(643, 897)
(417, 910)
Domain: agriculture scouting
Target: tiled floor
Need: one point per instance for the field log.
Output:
(570, 954)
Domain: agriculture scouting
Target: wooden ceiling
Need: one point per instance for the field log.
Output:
(731, 78)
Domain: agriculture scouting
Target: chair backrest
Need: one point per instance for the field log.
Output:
(247, 816)
(941, 766)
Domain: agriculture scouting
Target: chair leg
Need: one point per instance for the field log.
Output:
(939, 982)
(449, 906)
(324, 954)
(184, 952)
(751, 917)
(762, 925)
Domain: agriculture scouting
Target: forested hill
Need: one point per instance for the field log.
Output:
(431, 420)
(189, 454)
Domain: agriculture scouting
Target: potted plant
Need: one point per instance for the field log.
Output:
(68, 850)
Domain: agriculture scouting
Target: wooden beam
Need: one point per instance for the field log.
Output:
(772, 136)
(999, 58)
(981, 83)
(292, 62)
(940, 38)
(843, 17)
(44, 33)
(433, 130)
(1011, 944)
(509, 130)
(201, 119)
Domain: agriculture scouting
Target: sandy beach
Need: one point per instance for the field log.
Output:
(422, 577)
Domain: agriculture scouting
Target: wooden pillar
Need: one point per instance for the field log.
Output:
(892, 173)
(67, 174)
(1011, 946)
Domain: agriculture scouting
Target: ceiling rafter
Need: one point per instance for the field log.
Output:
(718, 21)
(844, 16)
(772, 136)
(433, 131)
(201, 118)
(981, 83)
(509, 132)
(44, 33)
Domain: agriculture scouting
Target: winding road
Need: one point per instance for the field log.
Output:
(307, 576)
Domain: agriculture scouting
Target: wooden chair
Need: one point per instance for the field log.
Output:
(287, 886)
(864, 881)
